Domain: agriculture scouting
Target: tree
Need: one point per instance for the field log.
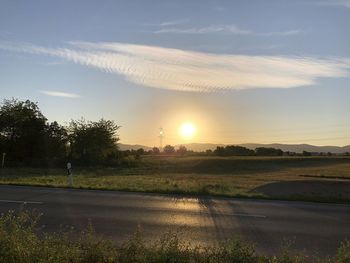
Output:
(238, 150)
(262, 151)
(305, 153)
(93, 142)
(168, 149)
(209, 152)
(56, 141)
(22, 131)
(232, 150)
(219, 151)
(182, 150)
(155, 150)
(140, 151)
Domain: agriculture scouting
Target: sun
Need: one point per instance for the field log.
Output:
(187, 130)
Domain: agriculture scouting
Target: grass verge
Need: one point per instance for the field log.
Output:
(284, 178)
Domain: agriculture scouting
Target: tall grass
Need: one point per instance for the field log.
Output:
(22, 242)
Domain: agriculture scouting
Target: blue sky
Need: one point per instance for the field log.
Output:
(240, 71)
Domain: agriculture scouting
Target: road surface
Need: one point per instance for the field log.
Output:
(203, 220)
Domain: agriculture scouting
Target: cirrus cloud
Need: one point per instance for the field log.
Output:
(182, 70)
(59, 94)
(343, 3)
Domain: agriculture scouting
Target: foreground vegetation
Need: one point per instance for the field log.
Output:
(21, 242)
(325, 179)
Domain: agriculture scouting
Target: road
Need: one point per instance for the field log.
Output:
(116, 215)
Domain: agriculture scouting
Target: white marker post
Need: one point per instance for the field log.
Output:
(3, 160)
(70, 175)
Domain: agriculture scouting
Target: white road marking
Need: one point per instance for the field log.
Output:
(20, 202)
(249, 215)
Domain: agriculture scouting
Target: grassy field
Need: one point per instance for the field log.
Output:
(21, 243)
(324, 179)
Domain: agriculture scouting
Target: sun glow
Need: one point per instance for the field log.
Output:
(187, 130)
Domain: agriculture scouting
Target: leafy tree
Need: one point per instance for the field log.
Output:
(262, 151)
(56, 141)
(168, 149)
(182, 150)
(93, 142)
(238, 150)
(22, 131)
(232, 150)
(220, 151)
(155, 150)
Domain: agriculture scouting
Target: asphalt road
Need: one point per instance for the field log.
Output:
(117, 215)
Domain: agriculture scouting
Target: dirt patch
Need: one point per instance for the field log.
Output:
(307, 189)
(325, 176)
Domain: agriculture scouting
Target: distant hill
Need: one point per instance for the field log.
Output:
(298, 148)
(125, 147)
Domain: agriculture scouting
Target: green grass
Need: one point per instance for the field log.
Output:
(21, 242)
(324, 179)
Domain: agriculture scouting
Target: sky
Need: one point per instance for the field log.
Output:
(263, 71)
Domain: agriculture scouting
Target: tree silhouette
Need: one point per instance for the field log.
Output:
(155, 150)
(232, 150)
(182, 150)
(93, 142)
(27, 138)
(56, 141)
(168, 149)
(22, 131)
(262, 151)
(305, 153)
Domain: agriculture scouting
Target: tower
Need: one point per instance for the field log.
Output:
(161, 135)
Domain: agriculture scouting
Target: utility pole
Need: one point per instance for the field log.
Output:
(161, 135)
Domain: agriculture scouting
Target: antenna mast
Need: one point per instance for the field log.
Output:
(161, 135)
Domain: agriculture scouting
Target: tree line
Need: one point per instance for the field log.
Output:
(234, 150)
(28, 139)
(229, 150)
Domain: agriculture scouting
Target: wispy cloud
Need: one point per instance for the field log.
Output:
(261, 47)
(168, 23)
(59, 94)
(183, 70)
(231, 29)
(344, 3)
(53, 63)
(173, 22)
(226, 29)
(282, 33)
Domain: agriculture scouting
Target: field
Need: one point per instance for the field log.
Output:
(322, 179)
